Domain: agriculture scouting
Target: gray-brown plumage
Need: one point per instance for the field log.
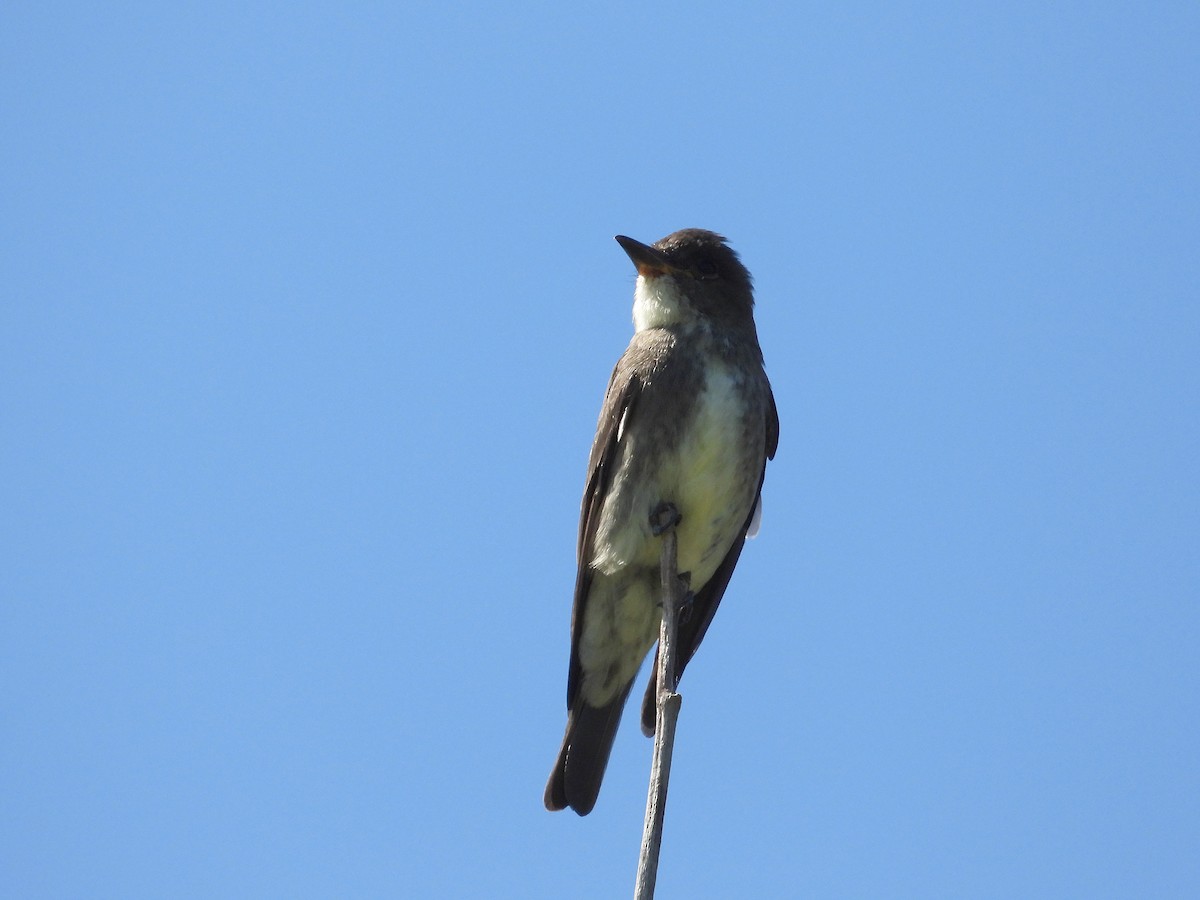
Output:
(688, 419)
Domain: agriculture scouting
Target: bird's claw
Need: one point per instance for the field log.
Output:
(663, 518)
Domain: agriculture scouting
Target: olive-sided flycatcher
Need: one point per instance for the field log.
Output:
(688, 420)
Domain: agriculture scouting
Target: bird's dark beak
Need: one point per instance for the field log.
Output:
(649, 262)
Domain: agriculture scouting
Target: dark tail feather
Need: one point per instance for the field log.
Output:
(691, 632)
(650, 698)
(575, 780)
(650, 701)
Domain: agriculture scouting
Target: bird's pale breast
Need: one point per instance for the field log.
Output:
(710, 472)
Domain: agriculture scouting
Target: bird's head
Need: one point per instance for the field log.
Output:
(691, 276)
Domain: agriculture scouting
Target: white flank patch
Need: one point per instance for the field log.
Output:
(755, 520)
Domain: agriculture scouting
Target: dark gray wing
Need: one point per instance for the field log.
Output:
(587, 743)
(619, 401)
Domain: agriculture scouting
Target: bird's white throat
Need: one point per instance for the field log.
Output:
(658, 302)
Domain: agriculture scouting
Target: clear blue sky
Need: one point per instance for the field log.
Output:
(307, 314)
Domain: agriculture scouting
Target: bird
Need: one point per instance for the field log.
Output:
(687, 424)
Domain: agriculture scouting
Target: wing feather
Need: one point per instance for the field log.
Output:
(619, 402)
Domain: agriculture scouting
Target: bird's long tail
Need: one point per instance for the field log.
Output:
(575, 779)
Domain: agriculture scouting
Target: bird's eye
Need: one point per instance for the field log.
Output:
(707, 269)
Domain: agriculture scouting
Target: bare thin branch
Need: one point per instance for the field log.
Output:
(666, 717)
